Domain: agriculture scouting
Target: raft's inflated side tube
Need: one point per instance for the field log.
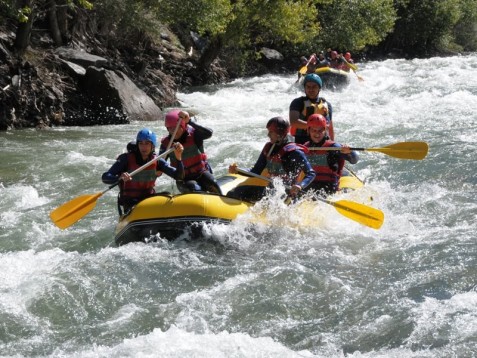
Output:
(170, 216)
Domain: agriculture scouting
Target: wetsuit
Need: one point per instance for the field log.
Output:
(286, 161)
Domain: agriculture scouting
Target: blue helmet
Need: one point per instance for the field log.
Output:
(313, 77)
(146, 134)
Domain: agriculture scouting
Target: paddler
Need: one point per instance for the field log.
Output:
(282, 158)
(197, 171)
(303, 107)
(328, 164)
(136, 188)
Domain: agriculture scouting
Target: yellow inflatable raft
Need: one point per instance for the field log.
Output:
(170, 216)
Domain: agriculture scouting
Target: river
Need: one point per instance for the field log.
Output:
(334, 289)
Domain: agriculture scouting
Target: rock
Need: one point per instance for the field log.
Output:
(115, 99)
(74, 68)
(80, 57)
(271, 54)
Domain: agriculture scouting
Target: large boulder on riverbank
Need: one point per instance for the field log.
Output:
(115, 99)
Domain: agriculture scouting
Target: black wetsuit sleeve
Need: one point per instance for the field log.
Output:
(119, 167)
(200, 134)
(296, 162)
(166, 168)
(260, 164)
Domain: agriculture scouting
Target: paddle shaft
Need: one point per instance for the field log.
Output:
(363, 214)
(140, 169)
(304, 68)
(178, 124)
(72, 211)
(250, 174)
(403, 150)
(350, 65)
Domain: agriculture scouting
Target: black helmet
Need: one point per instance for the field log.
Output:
(278, 125)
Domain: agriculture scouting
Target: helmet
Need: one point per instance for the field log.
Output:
(146, 134)
(334, 54)
(316, 120)
(313, 77)
(172, 117)
(278, 125)
(347, 56)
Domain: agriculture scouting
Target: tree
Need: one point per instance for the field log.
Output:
(423, 26)
(28, 10)
(245, 24)
(465, 31)
(354, 24)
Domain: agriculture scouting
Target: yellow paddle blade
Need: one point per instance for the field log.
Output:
(352, 66)
(303, 70)
(404, 150)
(322, 69)
(72, 211)
(360, 213)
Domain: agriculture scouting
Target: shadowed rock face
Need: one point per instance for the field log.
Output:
(112, 82)
(68, 86)
(114, 98)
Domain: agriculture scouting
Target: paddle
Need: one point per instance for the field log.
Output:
(72, 211)
(403, 150)
(305, 68)
(353, 67)
(360, 213)
(302, 71)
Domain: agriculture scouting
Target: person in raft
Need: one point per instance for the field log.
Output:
(303, 107)
(197, 171)
(327, 164)
(134, 189)
(282, 158)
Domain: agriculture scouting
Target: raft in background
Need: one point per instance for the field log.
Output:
(172, 216)
(333, 78)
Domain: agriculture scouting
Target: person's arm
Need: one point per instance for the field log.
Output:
(175, 173)
(297, 163)
(348, 154)
(296, 106)
(302, 163)
(113, 174)
(260, 164)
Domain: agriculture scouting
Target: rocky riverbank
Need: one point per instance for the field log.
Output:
(91, 82)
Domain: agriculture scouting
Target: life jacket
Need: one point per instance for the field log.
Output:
(309, 108)
(141, 184)
(275, 161)
(319, 162)
(193, 158)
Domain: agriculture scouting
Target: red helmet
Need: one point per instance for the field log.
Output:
(316, 120)
(171, 119)
(278, 125)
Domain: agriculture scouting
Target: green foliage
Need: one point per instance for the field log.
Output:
(23, 14)
(425, 25)
(127, 17)
(354, 24)
(85, 4)
(203, 16)
(465, 31)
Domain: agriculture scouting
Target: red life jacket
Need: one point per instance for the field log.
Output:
(142, 184)
(309, 108)
(274, 162)
(193, 159)
(319, 163)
